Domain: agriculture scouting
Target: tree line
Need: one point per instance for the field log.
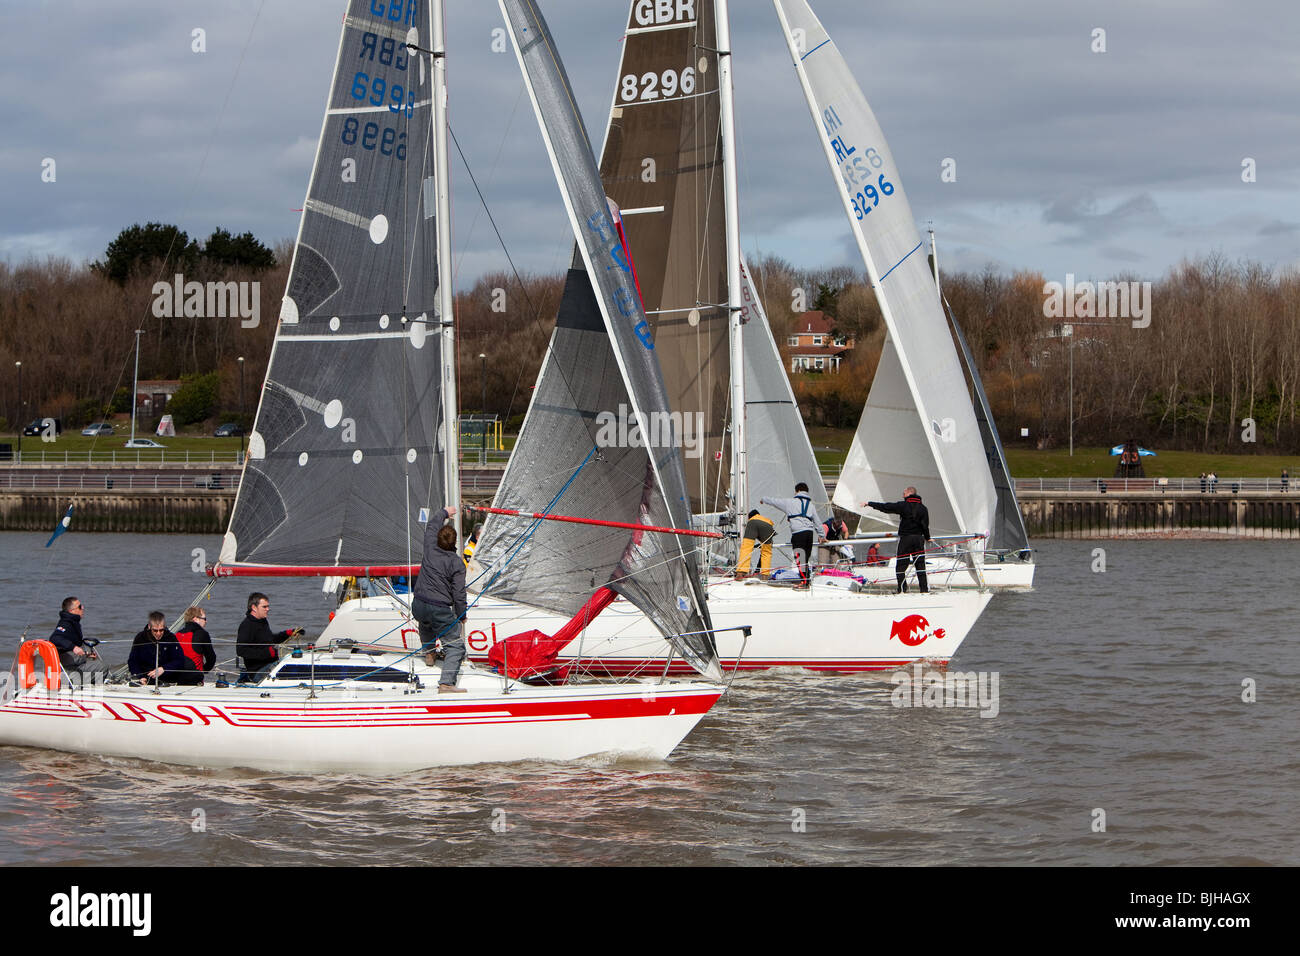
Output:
(1222, 346)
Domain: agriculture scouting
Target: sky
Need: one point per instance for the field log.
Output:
(1068, 160)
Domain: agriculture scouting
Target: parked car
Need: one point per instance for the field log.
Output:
(98, 428)
(228, 430)
(143, 443)
(37, 426)
(209, 481)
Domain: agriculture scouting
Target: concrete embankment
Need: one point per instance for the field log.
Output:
(190, 507)
(1058, 514)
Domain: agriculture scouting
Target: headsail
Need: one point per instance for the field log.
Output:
(662, 164)
(780, 454)
(918, 427)
(600, 372)
(345, 446)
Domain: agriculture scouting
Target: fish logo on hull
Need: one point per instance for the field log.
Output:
(913, 630)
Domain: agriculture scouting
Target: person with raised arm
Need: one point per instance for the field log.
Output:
(913, 533)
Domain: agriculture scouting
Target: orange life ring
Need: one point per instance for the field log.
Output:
(27, 675)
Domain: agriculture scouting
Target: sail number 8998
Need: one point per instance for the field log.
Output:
(389, 140)
(651, 86)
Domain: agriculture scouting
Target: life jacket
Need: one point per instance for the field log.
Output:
(186, 640)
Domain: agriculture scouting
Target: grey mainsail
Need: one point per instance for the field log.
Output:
(344, 448)
(662, 165)
(600, 384)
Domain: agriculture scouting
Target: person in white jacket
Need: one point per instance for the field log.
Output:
(804, 522)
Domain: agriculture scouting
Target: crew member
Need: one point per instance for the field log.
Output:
(913, 533)
(803, 519)
(758, 529)
(255, 644)
(438, 603)
(195, 641)
(156, 655)
(75, 654)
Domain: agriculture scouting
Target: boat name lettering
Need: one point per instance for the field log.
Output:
(670, 83)
(654, 12)
(385, 49)
(405, 12)
(479, 640)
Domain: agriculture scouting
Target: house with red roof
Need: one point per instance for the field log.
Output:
(812, 345)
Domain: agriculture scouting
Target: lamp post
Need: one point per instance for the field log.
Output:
(242, 429)
(1069, 329)
(135, 383)
(19, 365)
(482, 413)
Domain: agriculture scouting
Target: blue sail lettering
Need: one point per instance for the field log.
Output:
(642, 331)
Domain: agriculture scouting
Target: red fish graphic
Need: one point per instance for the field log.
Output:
(913, 630)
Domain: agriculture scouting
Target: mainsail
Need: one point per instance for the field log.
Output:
(918, 427)
(345, 445)
(662, 165)
(598, 440)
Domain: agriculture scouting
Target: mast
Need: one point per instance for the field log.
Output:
(739, 478)
(450, 408)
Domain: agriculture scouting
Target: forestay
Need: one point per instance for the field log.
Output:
(662, 165)
(568, 459)
(918, 427)
(344, 448)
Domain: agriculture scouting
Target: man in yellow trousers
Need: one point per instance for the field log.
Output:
(758, 529)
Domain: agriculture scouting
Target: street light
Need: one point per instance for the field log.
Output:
(242, 429)
(482, 413)
(20, 411)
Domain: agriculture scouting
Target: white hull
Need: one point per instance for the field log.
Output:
(355, 727)
(827, 628)
(946, 572)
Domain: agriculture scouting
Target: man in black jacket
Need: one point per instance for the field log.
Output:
(913, 533)
(156, 655)
(75, 655)
(255, 644)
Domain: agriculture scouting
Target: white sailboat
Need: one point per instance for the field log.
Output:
(355, 432)
(669, 166)
(919, 427)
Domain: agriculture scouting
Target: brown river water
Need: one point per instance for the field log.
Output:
(1119, 692)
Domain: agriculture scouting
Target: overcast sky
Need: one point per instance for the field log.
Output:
(1067, 160)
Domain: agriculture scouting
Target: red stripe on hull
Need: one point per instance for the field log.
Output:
(622, 667)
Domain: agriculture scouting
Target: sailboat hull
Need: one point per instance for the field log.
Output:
(359, 730)
(947, 572)
(827, 628)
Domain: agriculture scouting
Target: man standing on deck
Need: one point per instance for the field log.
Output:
(438, 602)
(801, 514)
(913, 533)
(758, 530)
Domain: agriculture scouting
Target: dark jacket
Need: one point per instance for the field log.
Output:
(914, 517)
(760, 529)
(67, 633)
(256, 644)
(146, 654)
(442, 573)
(197, 638)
